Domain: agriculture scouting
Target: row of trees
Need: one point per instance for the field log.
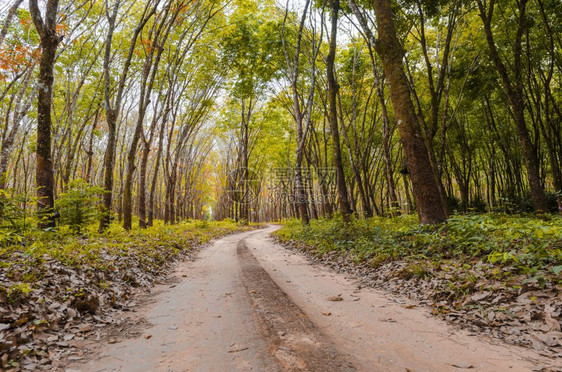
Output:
(437, 105)
(124, 91)
(260, 111)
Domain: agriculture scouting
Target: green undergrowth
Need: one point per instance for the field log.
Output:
(24, 263)
(72, 281)
(507, 246)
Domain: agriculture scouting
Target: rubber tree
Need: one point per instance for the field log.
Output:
(343, 199)
(113, 99)
(514, 88)
(44, 176)
(302, 107)
(429, 204)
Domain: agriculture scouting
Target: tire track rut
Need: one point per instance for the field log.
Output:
(293, 339)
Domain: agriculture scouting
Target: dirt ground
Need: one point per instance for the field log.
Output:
(247, 304)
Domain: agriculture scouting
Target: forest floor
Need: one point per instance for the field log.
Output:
(247, 303)
(57, 288)
(492, 274)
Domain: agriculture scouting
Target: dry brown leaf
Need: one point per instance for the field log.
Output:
(335, 298)
(463, 365)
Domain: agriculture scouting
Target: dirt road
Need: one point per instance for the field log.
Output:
(246, 304)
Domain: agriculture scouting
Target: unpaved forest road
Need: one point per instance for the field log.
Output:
(238, 307)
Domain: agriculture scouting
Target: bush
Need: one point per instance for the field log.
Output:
(524, 203)
(519, 244)
(79, 205)
(15, 217)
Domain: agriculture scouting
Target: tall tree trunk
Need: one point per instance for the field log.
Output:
(112, 110)
(44, 175)
(343, 198)
(108, 165)
(244, 162)
(389, 173)
(514, 90)
(148, 76)
(298, 114)
(387, 134)
(142, 185)
(155, 175)
(111, 119)
(302, 200)
(131, 167)
(426, 191)
(90, 152)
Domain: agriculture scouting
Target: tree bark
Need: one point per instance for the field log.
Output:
(155, 175)
(425, 189)
(343, 198)
(44, 176)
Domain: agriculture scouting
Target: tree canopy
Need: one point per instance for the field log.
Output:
(259, 111)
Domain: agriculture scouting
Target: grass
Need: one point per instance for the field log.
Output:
(51, 282)
(115, 251)
(506, 245)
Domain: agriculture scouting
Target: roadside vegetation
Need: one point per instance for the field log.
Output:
(59, 286)
(493, 272)
(121, 119)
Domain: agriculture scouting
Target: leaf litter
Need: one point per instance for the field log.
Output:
(526, 315)
(41, 327)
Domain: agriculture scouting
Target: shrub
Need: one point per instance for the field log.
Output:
(520, 244)
(78, 206)
(15, 217)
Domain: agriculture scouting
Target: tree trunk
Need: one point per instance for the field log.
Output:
(142, 185)
(343, 198)
(426, 191)
(302, 200)
(11, 12)
(44, 176)
(514, 91)
(108, 165)
(155, 175)
(244, 160)
(131, 167)
(111, 119)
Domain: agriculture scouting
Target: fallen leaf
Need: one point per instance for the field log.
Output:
(68, 337)
(85, 327)
(462, 365)
(237, 350)
(388, 320)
